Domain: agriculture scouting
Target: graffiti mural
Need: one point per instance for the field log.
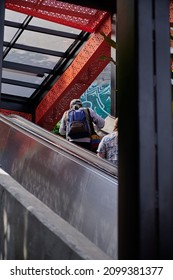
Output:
(98, 95)
(98, 98)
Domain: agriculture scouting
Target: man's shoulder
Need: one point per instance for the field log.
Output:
(109, 136)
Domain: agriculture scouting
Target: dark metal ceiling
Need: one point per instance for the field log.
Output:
(109, 5)
(35, 53)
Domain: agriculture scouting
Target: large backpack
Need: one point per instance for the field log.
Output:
(78, 123)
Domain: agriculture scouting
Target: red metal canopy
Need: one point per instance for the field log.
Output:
(83, 18)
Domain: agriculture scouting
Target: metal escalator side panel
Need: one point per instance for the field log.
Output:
(82, 195)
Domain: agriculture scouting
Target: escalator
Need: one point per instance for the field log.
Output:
(71, 181)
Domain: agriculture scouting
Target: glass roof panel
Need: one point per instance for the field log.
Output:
(54, 26)
(46, 41)
(32, 58)
(9, 33)
(31, 55)
(14, 16)
(20, 76)
(17, 90)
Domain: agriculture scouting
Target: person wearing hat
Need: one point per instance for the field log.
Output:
(91, 118)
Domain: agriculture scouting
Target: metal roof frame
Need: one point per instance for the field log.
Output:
(10, 101)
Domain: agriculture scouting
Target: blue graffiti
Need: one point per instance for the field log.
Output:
(98, 97)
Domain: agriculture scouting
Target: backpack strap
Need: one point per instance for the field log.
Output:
(89, 119)
(66, 121)
(66, 116)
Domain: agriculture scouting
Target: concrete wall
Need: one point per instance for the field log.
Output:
(30, 230)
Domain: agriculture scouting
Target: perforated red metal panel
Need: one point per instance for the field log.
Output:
(85, 19)
(76, 79)
(24, 115)
(171, 12)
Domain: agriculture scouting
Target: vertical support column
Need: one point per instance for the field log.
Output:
(127, 84)
(148, 189)
(145, 144)
(2, 16)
